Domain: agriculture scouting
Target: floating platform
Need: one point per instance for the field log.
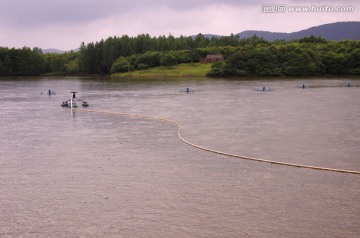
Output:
(349, 85)
(71, 103)
(66, 104)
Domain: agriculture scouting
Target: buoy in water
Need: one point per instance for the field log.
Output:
(263, 89)
(303, 86)
(187, 90)
(50, 92)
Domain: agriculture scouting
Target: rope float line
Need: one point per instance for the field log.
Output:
(220, 152)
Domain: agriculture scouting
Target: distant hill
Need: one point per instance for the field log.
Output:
(207, 36)
(57, 51)
(52, 51)
(332, 31)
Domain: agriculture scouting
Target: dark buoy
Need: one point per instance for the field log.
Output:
(303, 86)
(349, 85)
(263, 89)
(50, 92)
(187, 90)
(85, 104)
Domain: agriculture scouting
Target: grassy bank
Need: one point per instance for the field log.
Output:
(181, 70)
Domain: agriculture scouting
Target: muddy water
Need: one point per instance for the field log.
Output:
(79, 174)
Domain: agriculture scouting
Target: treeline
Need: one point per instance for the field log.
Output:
(243, 57)
(310, 56)
(26, 61)
(145, 51)
(21, 61)
(141, 52)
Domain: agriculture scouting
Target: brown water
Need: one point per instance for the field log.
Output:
(80, 174)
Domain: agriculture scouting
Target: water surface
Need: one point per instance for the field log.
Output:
(79, 174)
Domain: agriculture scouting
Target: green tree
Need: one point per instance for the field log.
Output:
(313, 39)
(151, 59)
(353, 62)
(72, 67)
(121, 65)
(168, 59)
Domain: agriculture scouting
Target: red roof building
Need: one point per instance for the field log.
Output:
(212, 59)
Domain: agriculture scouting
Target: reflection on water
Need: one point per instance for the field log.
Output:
(66, 174)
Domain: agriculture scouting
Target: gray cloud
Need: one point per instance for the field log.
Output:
(44, 12)
(66, 23)
(34, 13)
(191, 4)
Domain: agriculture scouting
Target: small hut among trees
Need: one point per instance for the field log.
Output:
(212, 59)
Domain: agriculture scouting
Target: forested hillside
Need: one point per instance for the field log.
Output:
(331, 31)
(307, 57)
(27, 62)
(243, 57)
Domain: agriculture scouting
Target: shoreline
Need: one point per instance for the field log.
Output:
(144, 76)
(190, 70)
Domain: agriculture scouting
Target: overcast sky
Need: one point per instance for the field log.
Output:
(64, 24)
